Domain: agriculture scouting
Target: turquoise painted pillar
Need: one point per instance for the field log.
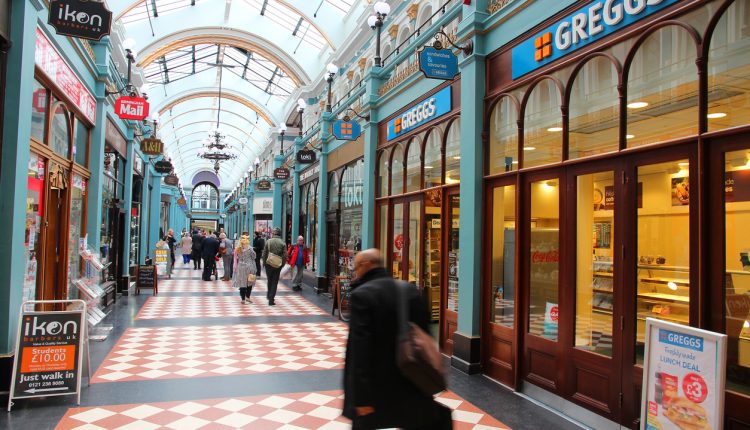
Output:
(128, 207)
(96, 150)
(322, 241)
(154, 209)
(278, 203)
(15, 159)
(145, 212)
(373, 80)
(466, 350)
(296, 193)
(250, 212)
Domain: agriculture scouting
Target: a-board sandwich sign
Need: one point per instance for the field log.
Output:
(49, 351)
(683, 378)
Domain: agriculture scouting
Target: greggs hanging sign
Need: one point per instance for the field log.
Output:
(420, 113)
(586, 25)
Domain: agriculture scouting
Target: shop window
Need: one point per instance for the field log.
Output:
(205, 196)
(333, 192)
(544, 259)
(350, 228)
(729, 69)
(433, 159)
(34, 216)
(303, 217)
(737, 278)
(503, 255)
(59, 134)
(414, 272)
(397, 170)
(542, 125)
(594, 262)
(38, 112)
(413, 164)
(398, 240)
(454, 248)
(662, 88)
(312, 216)
(383, 227)
(503, 150)
(77, 202)
(594, 106)
(81, 143)
(663, 286)
(383, 174)
(453, 153)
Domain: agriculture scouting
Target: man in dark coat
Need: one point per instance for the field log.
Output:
(258, 244)
(210, 249)
(196, 253)
(376, 394)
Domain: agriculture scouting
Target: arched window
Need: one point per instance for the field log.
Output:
(397, 170)
(542, 125)
(453, 153)
(433, 159)
(594, 109)
(503, 150)
(413, 164)
(59, 131)
(333, 192)
(662, 88)
(205, 196)
(728, 62)
(382, 186)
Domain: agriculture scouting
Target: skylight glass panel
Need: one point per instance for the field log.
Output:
(289, 20)
(144, 9)
(342, 5)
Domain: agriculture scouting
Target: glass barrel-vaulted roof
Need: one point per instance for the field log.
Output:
(239, 60)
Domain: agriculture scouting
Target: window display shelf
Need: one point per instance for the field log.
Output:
(605, 274)
(602, 310)
(660, 297)
(598, 290)
(671, 317)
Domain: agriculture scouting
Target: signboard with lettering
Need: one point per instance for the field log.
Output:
(172, 180)
(263, 205)
(420, 113)
(310, 173)
(281, 173)
(306, 156)
(352, 185)
(49, 352)
(264, 185)
(163, 166)
(683, 377)
(438, 63)
(346, 130)
(588, 24)
(146, 278)
(83, 19)
(135, 108)
(152, 146)
(242, 200)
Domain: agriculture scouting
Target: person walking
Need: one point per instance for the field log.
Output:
(197, 253)
(258, 244)
(274, 258)
(171, 241)
(186, 247)
(210, 248)
(244, 274)
(227, 256)
(376, 393)
(299, 256)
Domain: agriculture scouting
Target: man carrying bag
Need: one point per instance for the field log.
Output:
(274, 258)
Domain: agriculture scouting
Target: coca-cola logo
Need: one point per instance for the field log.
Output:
(545, 256)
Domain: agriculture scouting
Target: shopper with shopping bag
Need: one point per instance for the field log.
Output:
(244, 273)
(274, 258)
(298, 258)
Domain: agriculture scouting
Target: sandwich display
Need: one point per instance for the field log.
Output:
(686, 414)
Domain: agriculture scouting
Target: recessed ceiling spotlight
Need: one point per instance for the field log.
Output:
(716, 115)
(637, 105)
(554, 129)
(529, 148)
(629, 136)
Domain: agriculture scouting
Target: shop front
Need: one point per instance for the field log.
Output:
(62, 116)
(617, 182)
(308, 223)
(418, 203)
(113, 212)
(263, 215)
(345, 234)
(135, 215)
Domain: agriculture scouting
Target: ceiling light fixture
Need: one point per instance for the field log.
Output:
(629, 136)
(716, 115)
(554, 129)
(637, 105)
(529, 148)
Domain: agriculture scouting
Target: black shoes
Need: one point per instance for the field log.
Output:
(296, 288)
(271, 303)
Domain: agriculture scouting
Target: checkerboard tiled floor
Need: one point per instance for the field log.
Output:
(295, 411)
(199, 351)
(161, 307)
(198, 286)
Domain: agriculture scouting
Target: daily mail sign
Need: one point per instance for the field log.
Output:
(582, 27)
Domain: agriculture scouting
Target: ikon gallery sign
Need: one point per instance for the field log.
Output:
(132, 108)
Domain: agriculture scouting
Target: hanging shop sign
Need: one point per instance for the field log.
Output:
(181, 201)
(171, 179)
(82, 19)
(135, 108)
(683, 377)
(152, 146)
(57, 70)
(264, 185)
(420, 113)
(281, 173)
(588, 24)
(438, 63)
(262, 206)
(346, 130)
(49, 351)
(163, 166)
(306, 156)
(242, 200)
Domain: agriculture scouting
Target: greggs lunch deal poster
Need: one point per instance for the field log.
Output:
(683, 378)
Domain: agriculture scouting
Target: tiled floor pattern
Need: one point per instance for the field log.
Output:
(195, 351)
(198, 286)
(295, 411)
(161, 307)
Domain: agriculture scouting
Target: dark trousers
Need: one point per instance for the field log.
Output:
(439, 419)
(208, 267)
(196, 261)
(245, 292)
(257, 263)
(273, 282)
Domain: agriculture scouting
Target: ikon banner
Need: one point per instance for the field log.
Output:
(82, 19)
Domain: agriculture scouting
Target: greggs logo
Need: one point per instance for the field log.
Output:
(580, 28)
(397, 125)
(420, 113)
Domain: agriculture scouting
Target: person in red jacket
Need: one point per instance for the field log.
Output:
(298, 257)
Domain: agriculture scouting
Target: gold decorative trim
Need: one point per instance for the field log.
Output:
(362, 63)
(350, 74)
(496, 5)
(412, 10)
(225, 95)
(398, 78)
(393, 31)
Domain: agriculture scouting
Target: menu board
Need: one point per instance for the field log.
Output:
(683, 378)
(146, 278)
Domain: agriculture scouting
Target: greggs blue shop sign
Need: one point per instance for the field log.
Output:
(582, 27)
(420, 113)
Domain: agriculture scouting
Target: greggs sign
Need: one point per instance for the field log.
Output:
(586, 25)
(420, 113)
(131, 108)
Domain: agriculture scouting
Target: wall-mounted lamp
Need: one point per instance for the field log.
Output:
(331, 69)
(382, 9)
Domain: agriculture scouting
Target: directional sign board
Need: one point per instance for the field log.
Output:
(82, 19)
(49, 351)
(438, 63)
(346, 130)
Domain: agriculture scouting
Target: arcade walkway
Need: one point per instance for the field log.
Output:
(194, 357)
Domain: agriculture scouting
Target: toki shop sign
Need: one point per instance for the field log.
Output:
(82, 19)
